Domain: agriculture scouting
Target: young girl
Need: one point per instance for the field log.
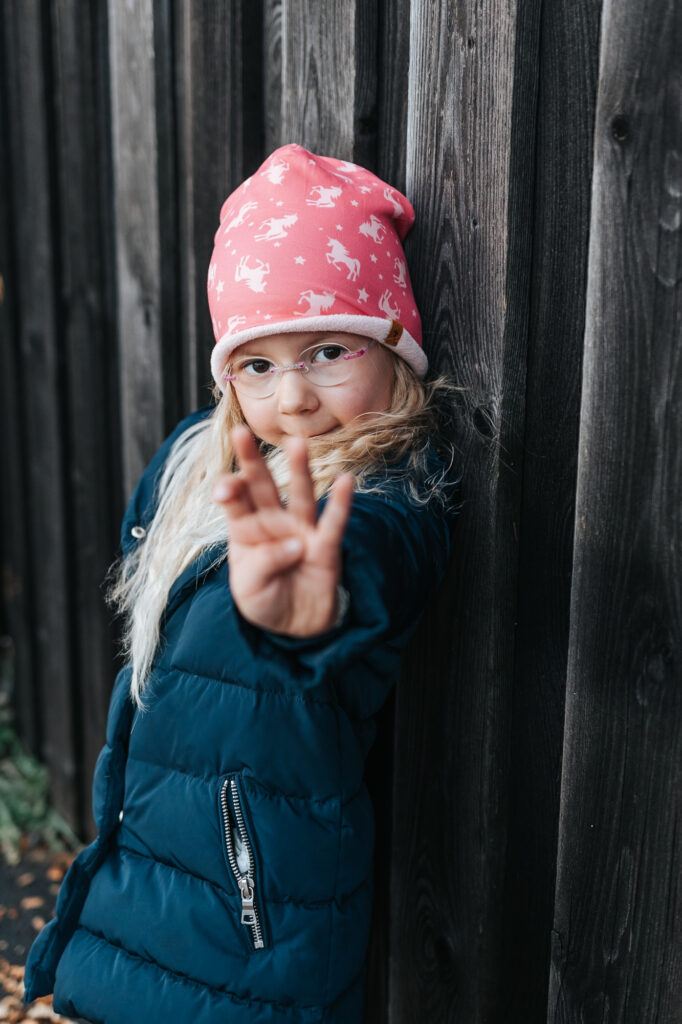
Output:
(231, 877)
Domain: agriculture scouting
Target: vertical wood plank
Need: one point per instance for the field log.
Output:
(15, 613)
(329, 78)
(138, 269)
(272, 74)
(568, 56)
(174, 376)
(471, 119)
(393, 18)
(617, 938)
(220, 142)
(84, 245)
(389, 121)
(41, 390)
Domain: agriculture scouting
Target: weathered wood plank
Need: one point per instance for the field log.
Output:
(329, 79)
(137, 213)
(85, 250)
(392, 90)
(41, 388)
(617, 940)
(15, 615)
(470, 117)
(220, 142)
(389, 121)
(272, 74)
(174, 381)
(568, 52)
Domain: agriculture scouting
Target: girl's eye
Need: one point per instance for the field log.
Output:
(330, 353)
(259, 367)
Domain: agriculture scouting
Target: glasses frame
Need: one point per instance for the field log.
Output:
(301, 366)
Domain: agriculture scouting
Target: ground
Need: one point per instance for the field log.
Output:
(28, 893)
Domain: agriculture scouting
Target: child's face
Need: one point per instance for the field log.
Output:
(301, 409)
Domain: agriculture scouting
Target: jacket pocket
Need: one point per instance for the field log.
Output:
(241, 859)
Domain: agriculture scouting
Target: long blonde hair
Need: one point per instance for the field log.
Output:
(187, 521)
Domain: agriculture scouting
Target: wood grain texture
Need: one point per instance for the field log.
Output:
(329, 54)
(137, 213)
(393, 18)
(470, 116)
(41, 389)
(567, 46)
(272, 73)
(220, 142)
(90, 426)
(15, 600)
(390, 124)
(617, 939)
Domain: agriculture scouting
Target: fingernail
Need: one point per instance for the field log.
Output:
(292, 546)
(222, 491)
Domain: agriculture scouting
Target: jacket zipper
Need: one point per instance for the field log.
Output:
(246, 882)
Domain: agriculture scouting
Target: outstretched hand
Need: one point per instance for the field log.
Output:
(284, 565)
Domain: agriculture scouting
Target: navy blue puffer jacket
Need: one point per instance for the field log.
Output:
(231, 877)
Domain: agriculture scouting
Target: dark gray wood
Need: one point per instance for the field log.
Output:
(392, 89)
(389, 122)
(137, 238)
(272, 74)
(174, 384)
(617, 937)
(84, 248)
(220, 142)
(329, 79)
(568, 55)
(469, 174)
(41, 387)
(15, 576)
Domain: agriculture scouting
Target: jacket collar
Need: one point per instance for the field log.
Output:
(191, 576)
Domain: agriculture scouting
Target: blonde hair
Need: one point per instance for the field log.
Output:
(187, 520)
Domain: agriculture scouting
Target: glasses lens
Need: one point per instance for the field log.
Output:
(330, 364)
(324, 366)
(254, 377)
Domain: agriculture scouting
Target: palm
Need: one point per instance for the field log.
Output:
(292, 593)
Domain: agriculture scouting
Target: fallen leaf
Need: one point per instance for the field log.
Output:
(31, 902)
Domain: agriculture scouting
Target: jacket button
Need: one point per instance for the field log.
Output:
(138, 531)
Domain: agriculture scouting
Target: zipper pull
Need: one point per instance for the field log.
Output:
(246, 889)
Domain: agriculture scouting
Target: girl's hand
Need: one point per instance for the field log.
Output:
(276, 586)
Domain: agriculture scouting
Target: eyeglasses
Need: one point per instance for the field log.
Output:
(324, 366)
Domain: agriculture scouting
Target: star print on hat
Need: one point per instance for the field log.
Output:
(312, 243)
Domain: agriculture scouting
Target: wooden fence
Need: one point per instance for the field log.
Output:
(526, 773)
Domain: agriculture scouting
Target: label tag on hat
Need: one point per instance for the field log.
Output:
(393, 336)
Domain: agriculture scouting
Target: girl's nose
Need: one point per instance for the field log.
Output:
(295, 394)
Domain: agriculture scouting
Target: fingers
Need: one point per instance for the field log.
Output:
(269, 560)
(261, 487)
(301, 502)
(251, 502)
(246, 525)
(231, 492)
(331, 525)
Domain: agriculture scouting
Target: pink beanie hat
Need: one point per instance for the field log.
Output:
(311, 243)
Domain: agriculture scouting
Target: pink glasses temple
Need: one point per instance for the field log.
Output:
(294, 366)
